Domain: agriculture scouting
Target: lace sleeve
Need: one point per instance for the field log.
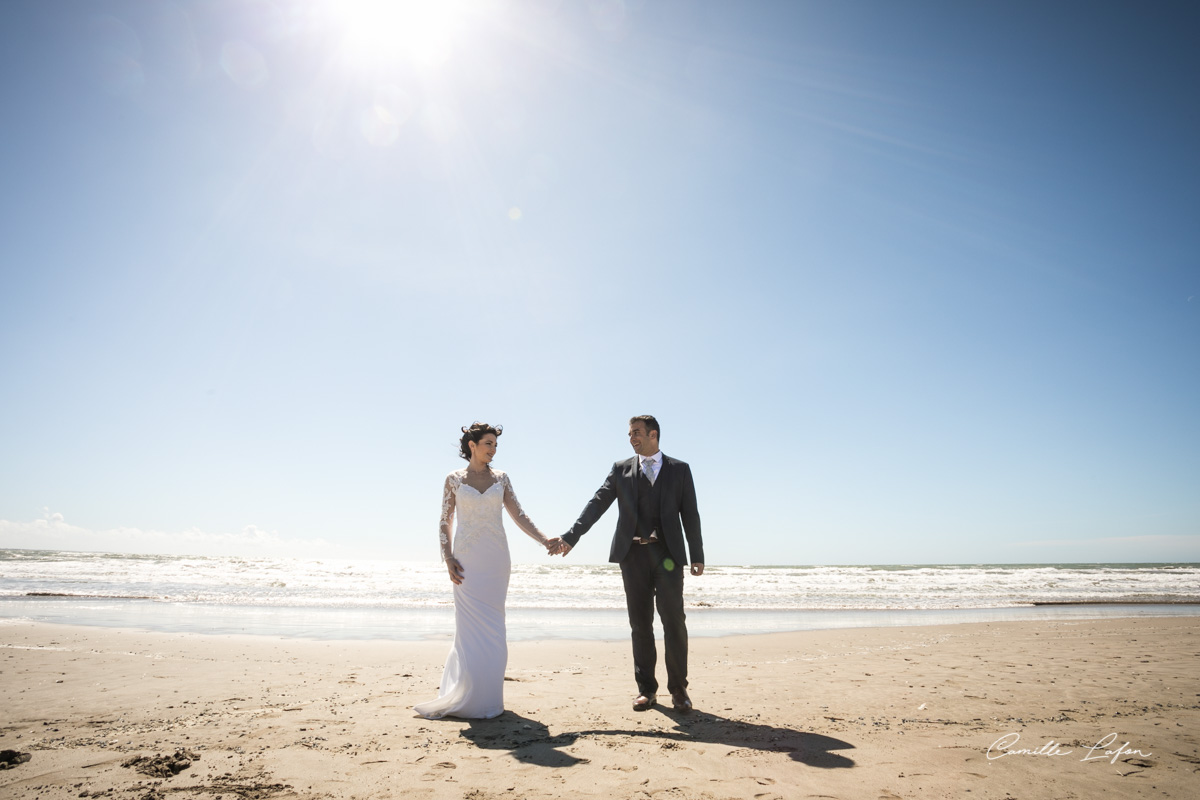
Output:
(448, 495)
(518, 514)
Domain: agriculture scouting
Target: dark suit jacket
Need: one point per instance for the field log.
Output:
(677, 504)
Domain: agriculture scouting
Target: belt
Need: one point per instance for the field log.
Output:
(653, 539)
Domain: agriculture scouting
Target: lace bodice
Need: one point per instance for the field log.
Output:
(479, 511)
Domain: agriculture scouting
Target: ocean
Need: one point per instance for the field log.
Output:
(365, 599)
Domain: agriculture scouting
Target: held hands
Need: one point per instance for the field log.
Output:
(455, 569)
(557, 547)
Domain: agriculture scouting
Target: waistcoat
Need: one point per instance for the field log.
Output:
(648, 518)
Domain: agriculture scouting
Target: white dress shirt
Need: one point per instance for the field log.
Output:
(655, 462)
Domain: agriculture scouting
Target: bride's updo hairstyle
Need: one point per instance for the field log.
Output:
(473, 434)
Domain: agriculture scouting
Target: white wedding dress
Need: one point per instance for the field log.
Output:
(473, 679)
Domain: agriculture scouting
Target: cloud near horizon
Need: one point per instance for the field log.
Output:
(53, 532)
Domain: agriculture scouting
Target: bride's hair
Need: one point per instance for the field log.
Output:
(473, 434)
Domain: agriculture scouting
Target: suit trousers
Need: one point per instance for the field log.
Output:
(651, 577)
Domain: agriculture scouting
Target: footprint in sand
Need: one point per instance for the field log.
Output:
(436, 770)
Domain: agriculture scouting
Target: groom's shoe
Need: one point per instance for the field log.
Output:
(643, 702)
(681, 702)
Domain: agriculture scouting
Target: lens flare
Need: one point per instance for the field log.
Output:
(244, 65)
(115, 61)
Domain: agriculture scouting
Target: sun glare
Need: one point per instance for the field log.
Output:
(424, 31)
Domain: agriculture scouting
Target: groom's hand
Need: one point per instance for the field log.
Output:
(557, 547)
(697, 569)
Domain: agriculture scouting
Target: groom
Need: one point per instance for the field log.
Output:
(654, 495)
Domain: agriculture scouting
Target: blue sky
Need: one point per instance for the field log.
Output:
(904, 282)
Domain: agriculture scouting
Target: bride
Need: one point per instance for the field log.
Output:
(478, 562)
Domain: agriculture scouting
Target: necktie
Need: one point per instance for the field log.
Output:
(648, 468)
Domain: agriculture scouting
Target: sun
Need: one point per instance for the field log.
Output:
(425, 31)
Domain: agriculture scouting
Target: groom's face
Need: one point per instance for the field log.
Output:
(644, 444)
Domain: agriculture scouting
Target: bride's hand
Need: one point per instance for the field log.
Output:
(456, 570)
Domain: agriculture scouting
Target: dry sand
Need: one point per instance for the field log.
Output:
(860, 713)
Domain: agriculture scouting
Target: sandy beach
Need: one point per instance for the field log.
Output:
(1063, 709)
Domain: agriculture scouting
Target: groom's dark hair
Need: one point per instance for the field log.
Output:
(650, 422)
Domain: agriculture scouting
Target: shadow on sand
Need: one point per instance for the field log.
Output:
(530, 741)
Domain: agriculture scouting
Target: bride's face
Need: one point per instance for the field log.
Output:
(485, 449)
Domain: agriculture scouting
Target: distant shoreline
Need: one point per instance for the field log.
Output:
(524, 624)
(1158, 601)
(702, 605)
